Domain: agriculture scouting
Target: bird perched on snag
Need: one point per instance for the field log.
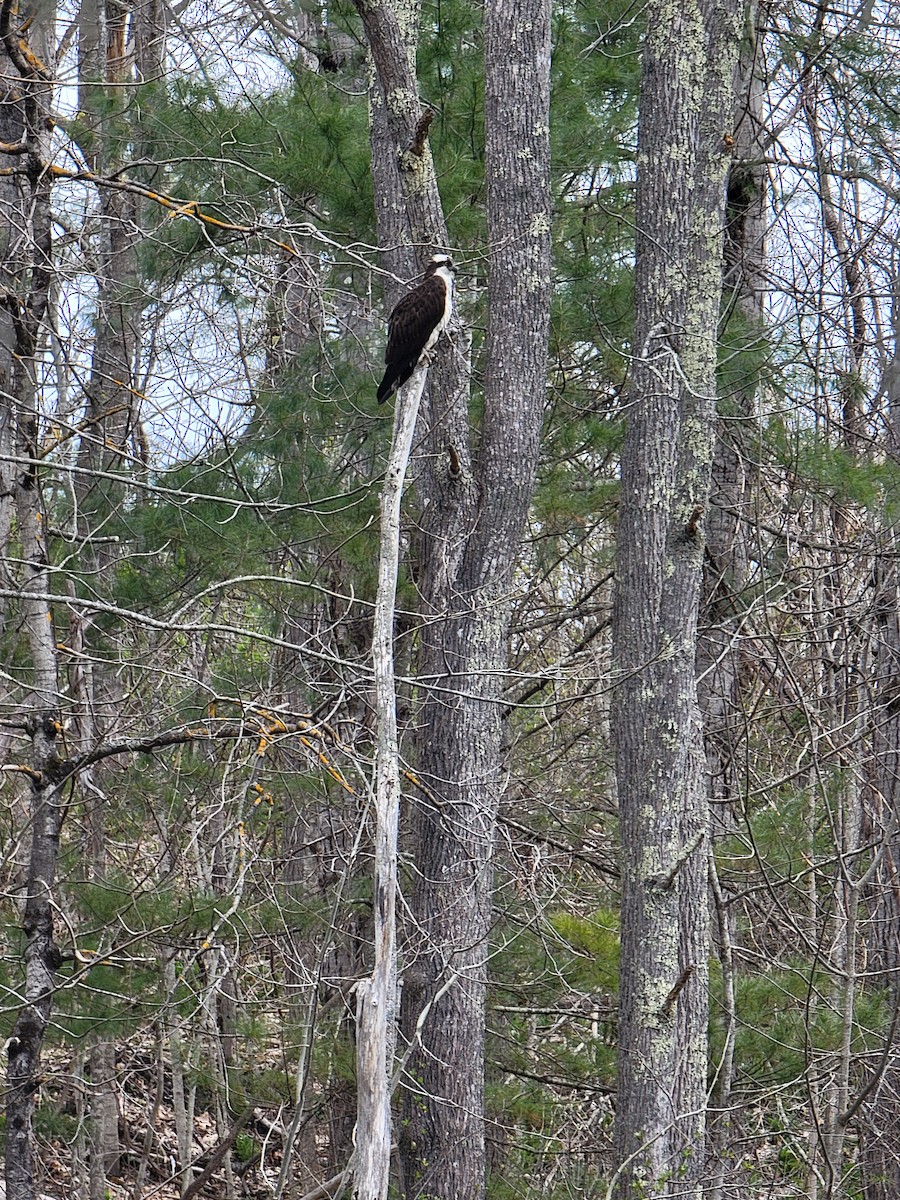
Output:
(416, 323)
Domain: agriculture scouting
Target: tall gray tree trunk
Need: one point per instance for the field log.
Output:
(25, 276)
(744, 293)
(471, 513)
(464, 636)
(111, 410)
(685, 112)
(111, 437)
(728, 534)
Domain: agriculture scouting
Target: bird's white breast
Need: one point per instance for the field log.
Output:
(447, 277)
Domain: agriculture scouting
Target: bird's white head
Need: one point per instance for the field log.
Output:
(443, 266)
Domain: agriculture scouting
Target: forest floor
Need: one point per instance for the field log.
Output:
(148, 1135)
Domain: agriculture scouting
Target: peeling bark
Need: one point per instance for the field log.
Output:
(377, 996)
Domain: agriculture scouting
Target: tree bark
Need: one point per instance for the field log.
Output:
(111, 411)
(377, 996)
(728, 530)
(470, 543)
(25, 273)
(391, 32)
(725, 568)
(470, 521)
(685, 110)
(111, 438)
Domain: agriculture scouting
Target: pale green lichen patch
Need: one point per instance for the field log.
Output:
(536, 281)
(539, 225)
(400, 100)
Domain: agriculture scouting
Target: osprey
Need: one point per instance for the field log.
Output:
(416, 323)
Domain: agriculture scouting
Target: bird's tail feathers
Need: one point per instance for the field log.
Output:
(386, 389)
(394, 379)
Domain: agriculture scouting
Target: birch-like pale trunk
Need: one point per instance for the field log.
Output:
(377, 996)
(26, 272)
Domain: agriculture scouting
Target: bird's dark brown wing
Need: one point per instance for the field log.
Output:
(409, 327)
(413, 319)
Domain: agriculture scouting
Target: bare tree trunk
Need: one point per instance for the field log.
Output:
(110, 429)
(377, 996)
(111, 410)
(728, 531)
(471, 518)
(182, 1094)
(391, 32)
(725, 568)
(686, 104)
(26, 275)
(464, 584)
(104, 1117)
(843, 648)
